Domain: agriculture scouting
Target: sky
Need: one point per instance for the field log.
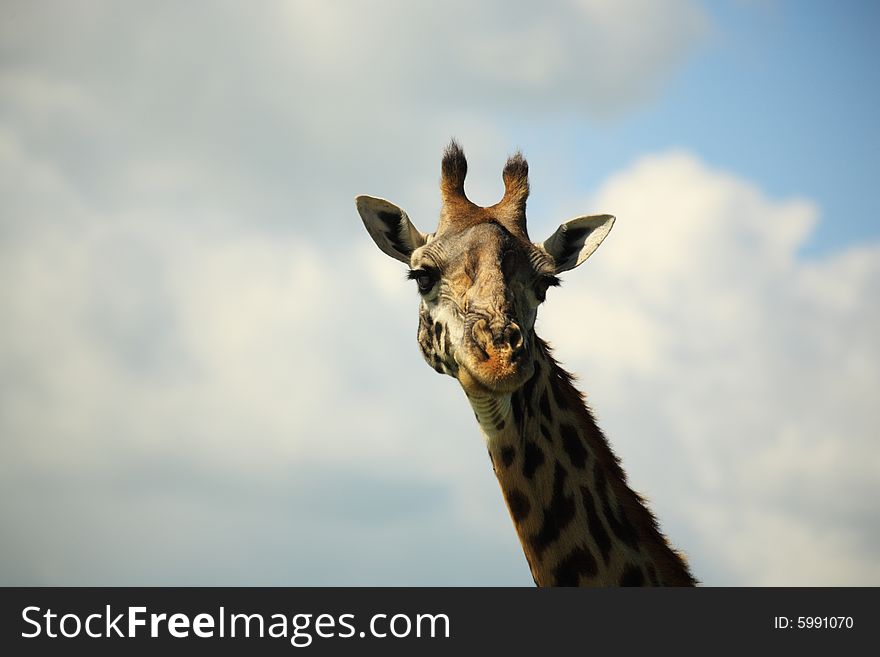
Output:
(209, 374)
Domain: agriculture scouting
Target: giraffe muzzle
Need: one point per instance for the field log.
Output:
(497, 356)
(504, 338)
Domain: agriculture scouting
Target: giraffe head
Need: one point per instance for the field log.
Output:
(479, 276)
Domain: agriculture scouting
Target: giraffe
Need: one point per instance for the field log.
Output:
(480, 280)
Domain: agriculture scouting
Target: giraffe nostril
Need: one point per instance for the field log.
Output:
(488, 339)
(482, 336)
(516, 342)
(514, 337)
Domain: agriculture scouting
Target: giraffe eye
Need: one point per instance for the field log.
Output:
(425, 279)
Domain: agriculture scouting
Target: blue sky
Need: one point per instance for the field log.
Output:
(788, 96)
(782, 92)
(209, 375)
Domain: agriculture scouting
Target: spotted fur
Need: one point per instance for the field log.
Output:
(589, 528)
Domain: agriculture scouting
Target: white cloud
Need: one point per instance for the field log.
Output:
(271, 112)
(162, 389)
(595, 55)
(736, 378)
(165, 386)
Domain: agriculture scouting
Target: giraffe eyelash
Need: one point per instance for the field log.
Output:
(413, 274)
(426, 278)
(544, 283)
(547, 281)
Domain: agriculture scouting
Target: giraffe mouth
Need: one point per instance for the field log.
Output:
(494, 372)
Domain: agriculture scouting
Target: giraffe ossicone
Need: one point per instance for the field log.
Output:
(481, 280)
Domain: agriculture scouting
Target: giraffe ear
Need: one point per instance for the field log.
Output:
(575, 240)
(390, 228)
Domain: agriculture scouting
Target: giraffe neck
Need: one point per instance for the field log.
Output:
(578, 521)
